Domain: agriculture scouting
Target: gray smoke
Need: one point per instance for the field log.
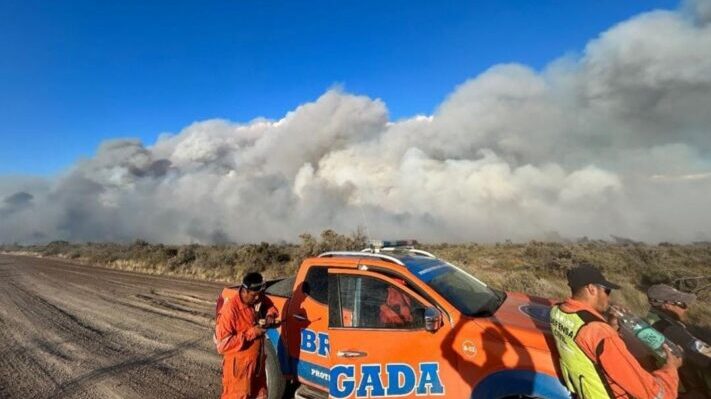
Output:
(614, 141)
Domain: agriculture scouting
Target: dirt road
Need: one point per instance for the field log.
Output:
(71, 331)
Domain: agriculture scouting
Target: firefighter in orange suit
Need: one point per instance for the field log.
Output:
(239, 338)
(594, 360)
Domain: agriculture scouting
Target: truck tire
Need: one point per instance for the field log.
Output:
(276, 383)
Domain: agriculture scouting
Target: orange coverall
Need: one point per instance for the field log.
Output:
(624, 374)
(237, 340)
(396, 309)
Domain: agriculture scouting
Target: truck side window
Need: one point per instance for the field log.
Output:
(365, 302)
(316, 284)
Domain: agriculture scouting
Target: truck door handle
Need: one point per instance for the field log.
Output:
(349, 354)
(300, 317)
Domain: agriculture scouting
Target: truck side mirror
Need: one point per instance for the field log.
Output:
(433, 319)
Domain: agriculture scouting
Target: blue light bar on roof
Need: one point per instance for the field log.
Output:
(392, 243)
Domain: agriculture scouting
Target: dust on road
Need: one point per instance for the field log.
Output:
(72, 331)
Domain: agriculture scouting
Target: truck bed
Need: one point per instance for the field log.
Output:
(281, 287)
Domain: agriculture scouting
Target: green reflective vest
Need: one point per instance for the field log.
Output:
(581, 375)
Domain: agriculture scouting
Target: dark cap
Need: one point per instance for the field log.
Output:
(587, 273)
(253, 281)
(662, 293)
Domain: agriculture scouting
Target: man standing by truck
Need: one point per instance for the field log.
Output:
(239, 338)
(594, 360)
(667, 315)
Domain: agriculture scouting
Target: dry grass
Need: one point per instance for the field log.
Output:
(537, 268)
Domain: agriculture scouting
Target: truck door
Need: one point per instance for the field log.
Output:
(379, 345)
(307, 329)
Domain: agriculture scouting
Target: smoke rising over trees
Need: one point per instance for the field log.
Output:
(616, 140)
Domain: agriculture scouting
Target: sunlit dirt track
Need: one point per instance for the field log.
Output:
(72, 331)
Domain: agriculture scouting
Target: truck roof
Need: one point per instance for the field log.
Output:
(421, 263)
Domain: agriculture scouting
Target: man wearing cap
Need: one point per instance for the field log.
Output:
(667, 315)
(594, 360)
(239, 338)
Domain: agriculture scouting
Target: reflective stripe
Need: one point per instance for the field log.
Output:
(661, 392)
(220, 345)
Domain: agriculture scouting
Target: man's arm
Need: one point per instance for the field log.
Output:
(272, 312)
(623, 369)
(230, 334)
(602, 344)
(682, 337)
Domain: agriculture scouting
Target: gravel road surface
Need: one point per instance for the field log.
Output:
(72, 331)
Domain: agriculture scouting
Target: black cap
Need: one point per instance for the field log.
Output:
(253, 281)
(587, 273)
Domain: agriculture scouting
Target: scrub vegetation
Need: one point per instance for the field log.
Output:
(536, 268)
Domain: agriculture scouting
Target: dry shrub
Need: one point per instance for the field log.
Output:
(536, 267)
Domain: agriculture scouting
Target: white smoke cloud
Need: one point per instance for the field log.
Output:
(616, 141)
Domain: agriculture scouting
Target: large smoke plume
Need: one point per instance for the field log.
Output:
(614, 141)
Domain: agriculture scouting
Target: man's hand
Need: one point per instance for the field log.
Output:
(613, 321)
(612, 316)
(673, 360)
(261, 331)
(258, 331)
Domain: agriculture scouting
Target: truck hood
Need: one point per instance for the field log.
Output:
(522, 320)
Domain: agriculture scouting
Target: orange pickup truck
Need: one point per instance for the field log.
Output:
(399, 322)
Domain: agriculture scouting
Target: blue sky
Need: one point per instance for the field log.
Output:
(75, 73)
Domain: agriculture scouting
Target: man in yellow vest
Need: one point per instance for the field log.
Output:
(594, 360)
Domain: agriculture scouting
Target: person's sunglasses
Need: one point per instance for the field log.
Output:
(660, 303)
(608, 291)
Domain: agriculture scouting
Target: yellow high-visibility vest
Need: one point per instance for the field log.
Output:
(581, 375)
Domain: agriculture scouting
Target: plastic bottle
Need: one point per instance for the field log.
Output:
(646, 334)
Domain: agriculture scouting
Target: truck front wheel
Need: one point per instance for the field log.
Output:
(276, 383)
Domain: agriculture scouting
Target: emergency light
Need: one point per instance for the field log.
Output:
(379, 244)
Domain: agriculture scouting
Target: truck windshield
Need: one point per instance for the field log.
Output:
(471, 296)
